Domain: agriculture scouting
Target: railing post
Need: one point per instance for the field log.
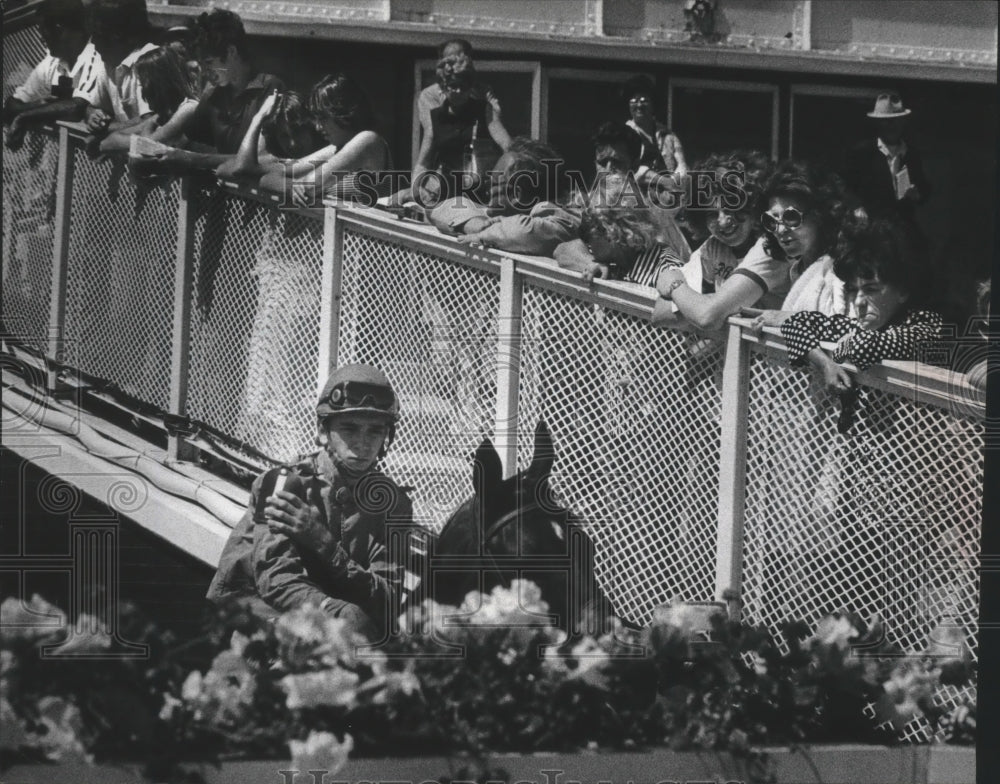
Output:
(508, 365)
(180, 353)
(330, 295)
(732, 465)
(60, 256)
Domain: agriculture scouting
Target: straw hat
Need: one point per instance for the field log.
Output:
(888, 106)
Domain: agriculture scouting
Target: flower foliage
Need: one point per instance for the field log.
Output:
(66, 691)
(490, 675)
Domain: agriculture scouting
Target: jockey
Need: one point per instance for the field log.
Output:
(315, 531)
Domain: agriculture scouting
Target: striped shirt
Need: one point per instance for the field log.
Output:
(648, 264)
(90, 81)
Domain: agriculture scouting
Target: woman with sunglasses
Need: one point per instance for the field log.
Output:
(804, 207)
(660, 149)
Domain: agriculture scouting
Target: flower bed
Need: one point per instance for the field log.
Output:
(477, 682)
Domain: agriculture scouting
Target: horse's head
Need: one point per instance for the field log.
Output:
(513, 528)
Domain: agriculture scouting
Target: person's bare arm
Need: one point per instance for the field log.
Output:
(172, 131)
(496, 128)
(29, 114)
(682, 167)
(246, 162)
(310, 177)
(574, 255)
(175, 161)
(120, 140)
(709, 311)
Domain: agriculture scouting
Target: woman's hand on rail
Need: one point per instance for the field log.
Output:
(475, 239)
(596, 270)
(764, 318)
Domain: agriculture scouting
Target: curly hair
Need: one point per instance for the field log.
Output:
(461, 43)
(290, 114)
(338, 97)
(455, 66)
(531, 155)
(820, 190)
(216, 31)
(165, 81)
(889, 250)
(750, 168)
(620, 226)
(614, 134)
(638, 85)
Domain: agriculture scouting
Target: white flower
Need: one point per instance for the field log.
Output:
(480, 609)
(326, 687)
(426, 618)
(520, 604)
(191, 690)
(908, 686)
(320, 751)
(86, 635)
(170, 704)
(36, 620)
(589, 655)
(308, 635)
(63, 728)
(835, 631)
(238, 642)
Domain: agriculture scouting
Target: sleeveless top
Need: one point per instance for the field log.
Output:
(649, 151)
(362, 186)
(453, 132)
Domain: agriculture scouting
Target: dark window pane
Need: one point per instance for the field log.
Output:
(710, 121)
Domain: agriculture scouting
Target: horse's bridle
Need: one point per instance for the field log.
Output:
(503, 520)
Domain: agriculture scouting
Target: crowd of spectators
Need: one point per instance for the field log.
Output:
(769, 238)
(819, 254)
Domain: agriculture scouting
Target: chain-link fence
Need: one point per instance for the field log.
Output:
(634, 413)
(22, 50)
(431, 324)
(120, 276)
(883, 519)
(255, 322)
(29, 194)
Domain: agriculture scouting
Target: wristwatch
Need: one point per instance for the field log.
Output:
(672, 288)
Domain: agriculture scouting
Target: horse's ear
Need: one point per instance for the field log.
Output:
(544, 455)
(487, 471)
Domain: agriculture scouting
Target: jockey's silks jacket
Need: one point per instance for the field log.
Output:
(257, 562)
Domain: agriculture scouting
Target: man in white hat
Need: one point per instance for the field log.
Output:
(887, 174)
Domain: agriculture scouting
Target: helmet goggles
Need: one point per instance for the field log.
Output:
(361, 396)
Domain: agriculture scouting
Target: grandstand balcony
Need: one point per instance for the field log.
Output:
(169, 339)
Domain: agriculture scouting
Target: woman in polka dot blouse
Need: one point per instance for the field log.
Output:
(888, 279)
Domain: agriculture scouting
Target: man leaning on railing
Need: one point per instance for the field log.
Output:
(226, 109)
(70, 83)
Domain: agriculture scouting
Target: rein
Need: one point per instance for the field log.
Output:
(498, 524)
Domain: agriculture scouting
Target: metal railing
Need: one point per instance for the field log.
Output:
(698, 469)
